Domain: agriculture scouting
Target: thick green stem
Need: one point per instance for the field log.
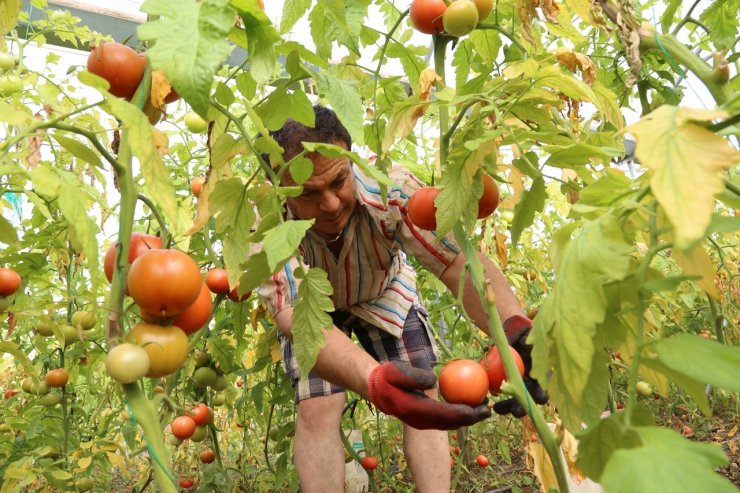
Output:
(717, 319)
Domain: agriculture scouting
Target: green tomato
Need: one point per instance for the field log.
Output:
(220, 384)
(50, 400)
(30, 387)
(127, 363)
(176, 441)
(71, 335)
(5, 302)
(43, 328)
(195, 123)
(10, 84)
(7, 61)
(201, 358)
(4, 428)
(460, 18)
(204, 376)
(218, 400)
(84, 484)
(84, 319)
(201, 432)
(644, 389)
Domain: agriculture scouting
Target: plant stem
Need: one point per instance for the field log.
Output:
(164, 232)
(717, 319)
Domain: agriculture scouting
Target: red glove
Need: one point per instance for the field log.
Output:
(396, 389)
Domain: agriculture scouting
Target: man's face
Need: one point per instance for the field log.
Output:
(328, 196)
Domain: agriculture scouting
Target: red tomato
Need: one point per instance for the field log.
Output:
(234, 294)
(57, 378)
(10, 281)
(463, 381)
(207, 456)
(186, 483)
(8, 393)
(217, 281)
(426, 15)
(421, 208)
(482, 460)
(198, 314)
(164, 283)
(488, 202)
(369, 463)
(183, 427)
(202, 415)
(121, 66)
(139, 244)
(495, 368)
(196, 185)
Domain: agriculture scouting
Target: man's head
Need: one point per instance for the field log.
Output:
(329, 194)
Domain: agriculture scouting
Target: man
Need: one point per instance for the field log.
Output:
(362, 245)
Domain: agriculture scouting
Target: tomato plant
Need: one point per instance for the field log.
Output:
(369, 462)
(57, 378)
(10, 281)
(421, 208)
(217, 280)
(164, 282)
(494, 368)
(167, 347)
(121, 66)
(426, 15)
(488, 202)
(460, 18)
(127, 363)
(183, 427)
(207, 456)
(463, 381)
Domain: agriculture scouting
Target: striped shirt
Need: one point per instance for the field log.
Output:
(372, 277)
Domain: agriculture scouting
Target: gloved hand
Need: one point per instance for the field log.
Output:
(517, 329)
(396, 389)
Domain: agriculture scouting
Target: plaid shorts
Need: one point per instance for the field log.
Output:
(415, 346)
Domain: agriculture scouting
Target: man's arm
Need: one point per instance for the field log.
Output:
(506, 303)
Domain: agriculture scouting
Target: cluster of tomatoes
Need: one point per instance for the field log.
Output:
(193, 425)
(464, 381)
(423, 212)
(458, 18)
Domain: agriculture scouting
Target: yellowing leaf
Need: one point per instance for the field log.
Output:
(161, 87)
(501, 252)
(697, 263)
(427, 78)
(160, 141)
(687, 166)
(85, 462)
(119, 462)
(403, 122)
(276, 352)
(577, 61)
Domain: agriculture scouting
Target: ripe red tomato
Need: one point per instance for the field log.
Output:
(495, 368)
(202, 415)
(218, 281)
(481, 460)
(197, 314)
(186, 483)
(463, 381)
(183, 427)
(57, 378)
(421, 208)
(8, 393)
(234, 294)
(207, 456)
(488, 202)
(167, 347)
(460, 18)
(10, 281)
(426, 15)
(121, 66)
(369, 463)
(164, 283)
(139, 244)
(196, 185)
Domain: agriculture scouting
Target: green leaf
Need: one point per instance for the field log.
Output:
(262, 37)
(14, 115)
(282, 242)
(461, 61)
(346, 102)
(721, 20)
(685, 380)
(575, 308)
(608, 104)
(281, 105)
(223, 352)
(611, 186)
(8, 233)
(687, 165)
(668, 15)
(324, 30)
(292, 11)
(301, 169)
(599, 442)
(577, 154)
(532, 201)
(45, 180)
(711, 362)
(723, 224)
(651, 468)
(78, 149)
(9, 10)
(82, 229)
(14, 350)
(403, 121)
(189, 44)
(330, 150)
(666, 283)
(487, 43)
(255, 271)
(310, 317)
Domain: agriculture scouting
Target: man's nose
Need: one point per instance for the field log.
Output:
(329, 202)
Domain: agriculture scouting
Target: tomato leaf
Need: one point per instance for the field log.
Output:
(261, 36)
(687, 165)
(600, 441)
(78, 149)
(282, 104)
(604, 191)
(697, 262)
(310, 316)
(683, 378)
(346, 102)
(281, 242)
(532, 201)
(722, 23)
(292, 11)
(565, 327)
(223, 352)
(188, 44)
(651, 467)
(8, 233)
(82, 229)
